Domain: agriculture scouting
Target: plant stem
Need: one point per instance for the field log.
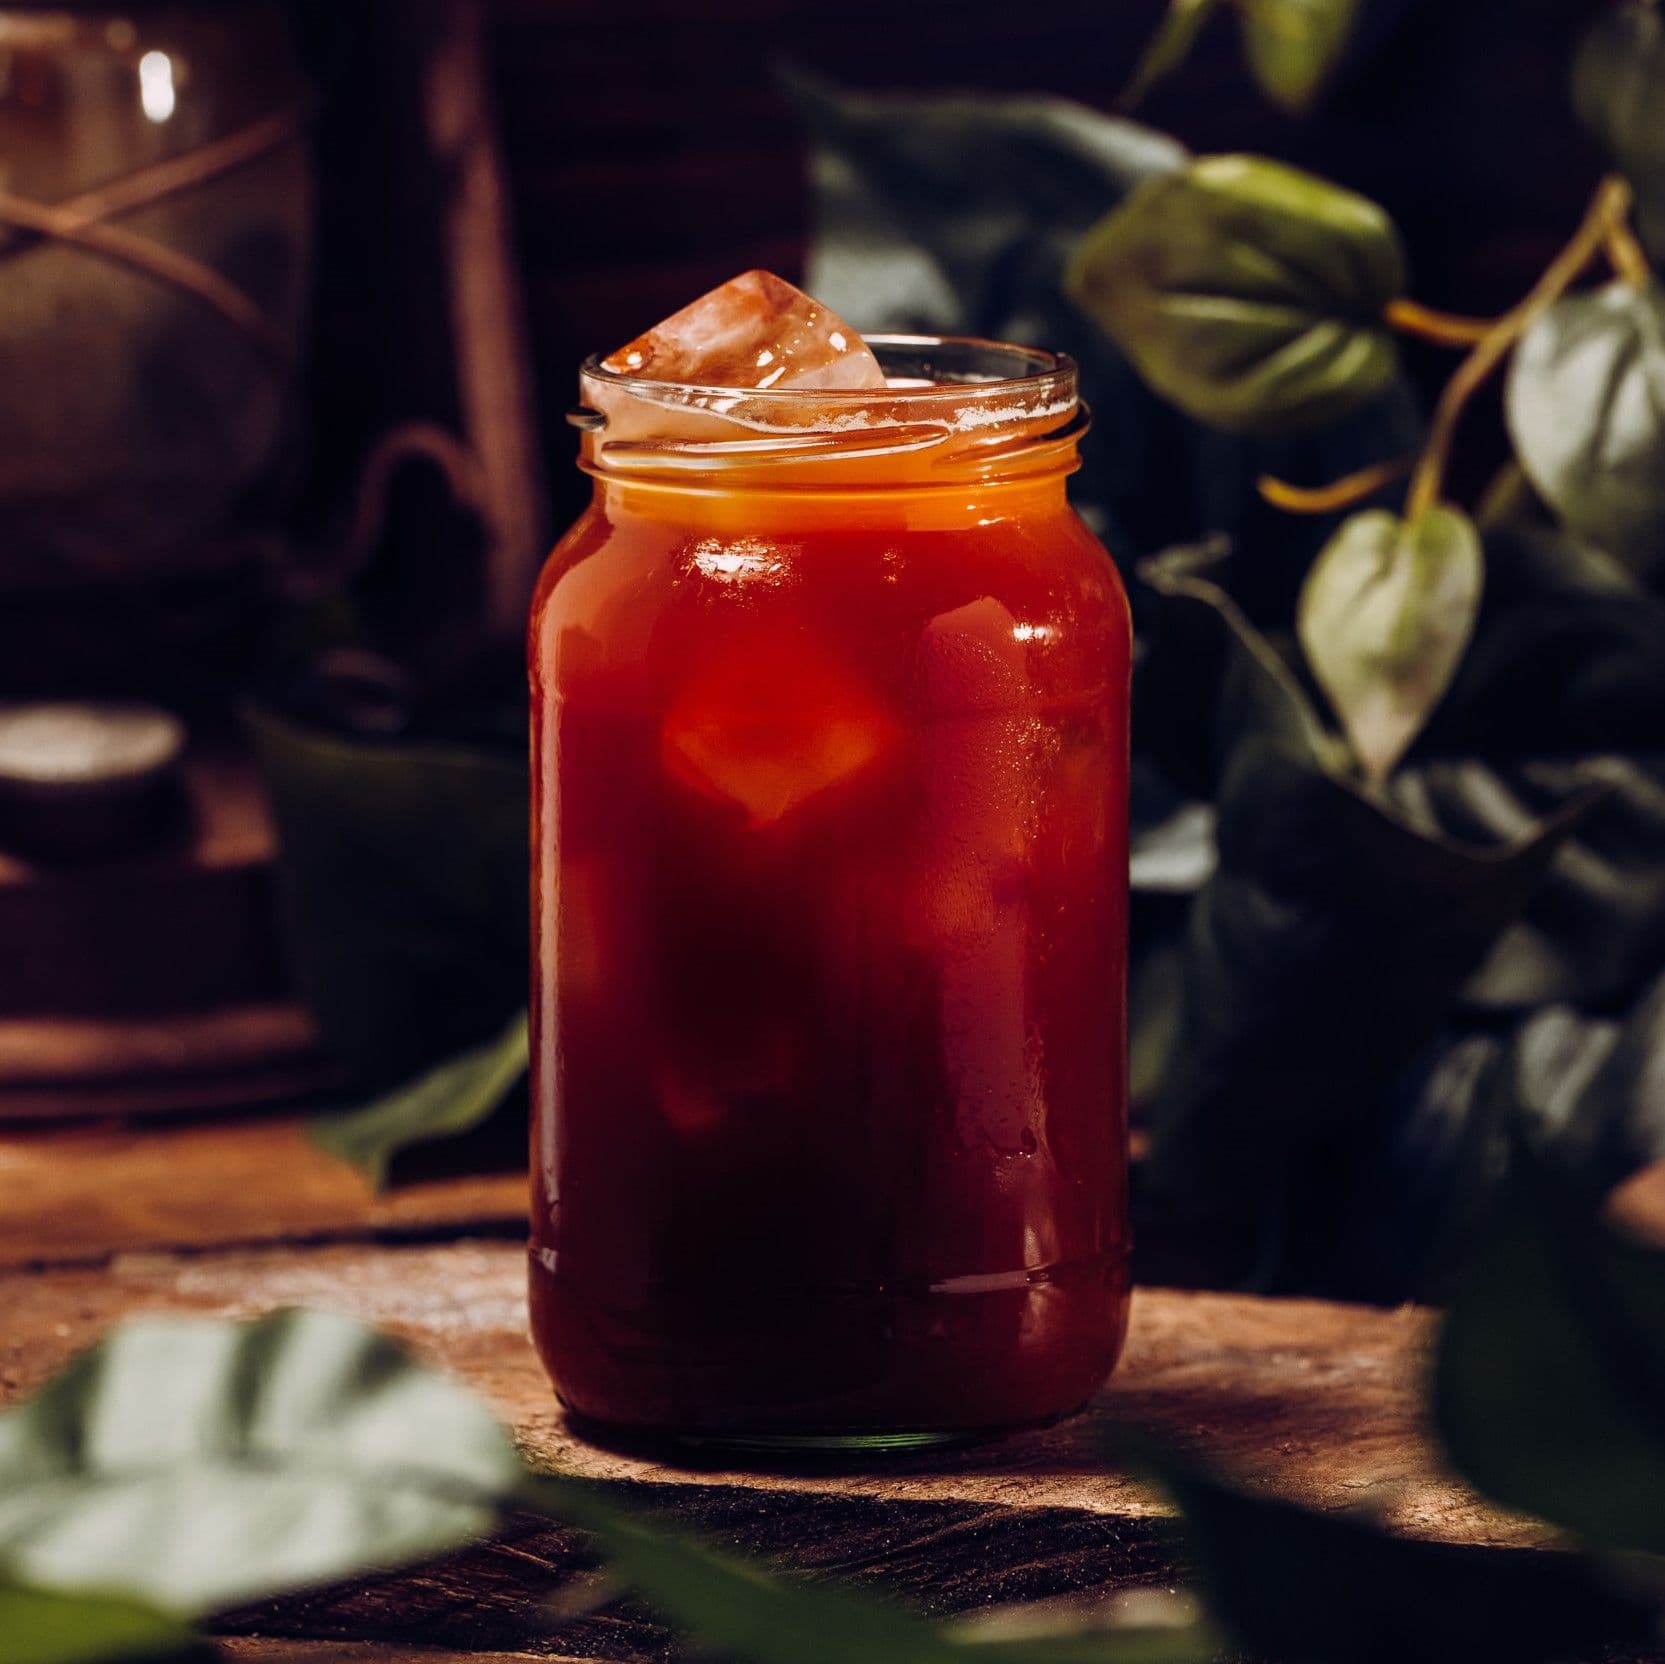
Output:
(1444, 329)
(1607, 209)
(1341, 493)
(166, 265)
(1627, 256)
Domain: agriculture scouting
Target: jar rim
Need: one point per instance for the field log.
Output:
(962, 407)
(1040, 370)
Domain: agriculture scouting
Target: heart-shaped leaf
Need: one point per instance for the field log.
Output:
(453, 1098)
(1247, 292)
(1550, 1382)
(196, 1464)
(1586, 409)
(1384, 617)
(1619, 92)
(54, 1626)
(1293, 45)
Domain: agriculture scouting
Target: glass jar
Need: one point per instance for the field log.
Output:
(829, 693)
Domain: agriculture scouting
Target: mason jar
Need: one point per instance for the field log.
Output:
(830, 706)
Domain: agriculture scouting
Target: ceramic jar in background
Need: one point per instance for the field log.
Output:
(144, 426)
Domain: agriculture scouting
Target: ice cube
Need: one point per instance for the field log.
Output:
(756, 330)
(770, 724)
(978, 760)
(969, 901)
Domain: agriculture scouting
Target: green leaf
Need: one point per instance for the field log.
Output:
(1294, 1584)
(1550, 1381)
(455, 1097)
(1247, 292)
(741, 1611)
(1293, 45)
(402, 880)
(1619, 93)
(53, 1626)
(1384, 617)
(198, 1465)
(1586, 410)
(1169, 47)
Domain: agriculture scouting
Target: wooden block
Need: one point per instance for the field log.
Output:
(82, 1194)
(188, 926)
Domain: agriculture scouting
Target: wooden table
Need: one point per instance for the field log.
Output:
(1314, 1401)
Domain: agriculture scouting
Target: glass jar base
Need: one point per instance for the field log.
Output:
(706, 1448)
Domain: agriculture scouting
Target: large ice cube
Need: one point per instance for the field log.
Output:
(772, 723)
(969, 904)
(756, 330)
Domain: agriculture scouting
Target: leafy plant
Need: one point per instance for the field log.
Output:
(1328, 1022)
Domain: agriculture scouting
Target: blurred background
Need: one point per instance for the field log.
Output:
(292, 296)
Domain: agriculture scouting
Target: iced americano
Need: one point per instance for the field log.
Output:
(829, 688)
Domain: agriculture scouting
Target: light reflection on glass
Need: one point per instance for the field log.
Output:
(738, 560)
(156, 92)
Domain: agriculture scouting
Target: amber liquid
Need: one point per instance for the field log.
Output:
(830, 911)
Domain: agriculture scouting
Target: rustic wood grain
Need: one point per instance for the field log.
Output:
(535, 1588)
(265, 1649)
(1317, 1402)
(84, 1193)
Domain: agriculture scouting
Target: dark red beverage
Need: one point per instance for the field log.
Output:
(830, 913)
